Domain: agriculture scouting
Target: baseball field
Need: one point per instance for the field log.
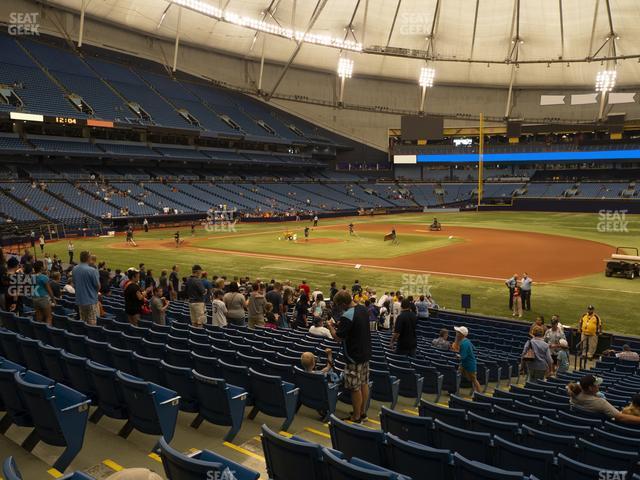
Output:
(474, 253)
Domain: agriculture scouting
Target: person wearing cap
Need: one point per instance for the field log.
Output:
(196, 292)
(590, 327)
(468, 363)
(541, 364)
(562, 356)
(86, 280)
(628, 354)
(586, 396)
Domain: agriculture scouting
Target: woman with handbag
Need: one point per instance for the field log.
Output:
(536, 356)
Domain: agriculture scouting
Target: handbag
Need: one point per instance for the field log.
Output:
(529, 355)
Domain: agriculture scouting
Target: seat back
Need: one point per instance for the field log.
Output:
(76, 372)
(178, 357)
(110, 397)
(235, 375)
(98, 351)
(31, 354)
(471, 445)
(407, 427)
(9, 321)
(76, 344)
(480, 423)
(180, 379)
(289, 458)
(24, 327)
(207, 366)
(607, 458)
(9, 346)
(548, 441)
(141, 405)
(13, 404)
(452, 416)
(531, 461)
(268, 393)
(122, 360)
(415, 460)
(569, 469)
(281, 369)
(410, 381)
(58, 338)
(472, 470)
(338, 468)
(616, 440)
(149, 369)
(356, 441)
(53, 363)
(314, 390)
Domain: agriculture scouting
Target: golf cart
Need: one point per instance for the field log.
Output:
(622, 265)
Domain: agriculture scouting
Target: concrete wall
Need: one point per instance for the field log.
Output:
(369, 127)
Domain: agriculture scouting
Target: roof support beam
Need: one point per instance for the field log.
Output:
(434, 27)
(393, 23)
(593, 29)
(561, 29)
(509, 104)
(175, 48)
(320, 4)
(475, 26)
(82, 10)
(364, 20)
(349, 29)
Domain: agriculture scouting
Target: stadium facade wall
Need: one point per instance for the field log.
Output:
(368, 127)
(584, 205)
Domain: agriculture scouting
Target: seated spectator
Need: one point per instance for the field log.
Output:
(69, 288)
(441, 342)
(634, 407)
(627, 354)
(586, 395)
(308, 362)
(319, 329)
(54, 282)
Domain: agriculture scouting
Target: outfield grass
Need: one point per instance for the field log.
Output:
(615, 299)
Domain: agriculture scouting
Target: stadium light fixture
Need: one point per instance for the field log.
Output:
(262, 26)
(345, 70)
(605, 81)
(427, 75)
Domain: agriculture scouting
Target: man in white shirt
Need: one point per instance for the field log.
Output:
(318, 328)
(383, 298)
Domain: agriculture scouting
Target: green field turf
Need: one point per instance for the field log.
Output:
(616, 299)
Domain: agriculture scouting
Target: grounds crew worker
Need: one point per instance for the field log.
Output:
(511, 284)
(590, 327)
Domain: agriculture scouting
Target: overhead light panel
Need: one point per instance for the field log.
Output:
(605, 81)
(345, 67)
(427, 75)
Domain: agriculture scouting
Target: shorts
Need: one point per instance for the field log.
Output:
(89, 313)
(356, 375)
(41, 303)
(471, 376)
(554, 357)
(198, 313)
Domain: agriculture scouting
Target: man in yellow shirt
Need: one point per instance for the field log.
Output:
(590, 327)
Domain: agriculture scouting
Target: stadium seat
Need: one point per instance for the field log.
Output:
(486, 423)
(317, 392)
(512, 456)
(615, 441)
(150, 369)
(58, 337)
(152, 349)
(356, 441)
(59, 415)
(548, 441)
(76, 371)
(41, 332)
(98, 351)
(338, 468)
(219, 403)
(452, 416)
(417, 460)
(280, 369)
(385, 387)
(51, 357)
(152, 409)
(16, 411)
(469, 406)
(432, 379)
(621, 429)
(178, 357)
(9, 321)
(206, 365)
(472, 445)
(289, 458)
(201, 465)
(122, 360)
(76, 344)
(563, 427)
(407, 427)
(579, 419)
(9, 346)
(180, 379)
(237, 375)
(607, 458)
(108, 392)
(11, 472)
(472, 470)
(274, 397)
(25, 327)
(410, 382)
(569, 469)
(31, 354)
(510, 415)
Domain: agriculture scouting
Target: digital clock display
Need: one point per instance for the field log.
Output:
(66, 120)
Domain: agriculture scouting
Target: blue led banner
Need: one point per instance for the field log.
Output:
(583, 156)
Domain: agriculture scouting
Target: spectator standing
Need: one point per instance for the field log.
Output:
(133, 297)
(511, 284)
(517, 301)
(274, 297)
(537, 326)
(174, 282)
(332, 291)
(404, 333)
(539, 362)
(54, 283)
(41, 295)
(255, 306)
(525, 289)
(235, 303)
(384, 318)
(302, 310)
(196, 292)
(552, 336)
(303, 286)
(562, 354)
(41, 242)
(86, 281)
(356, 288)
(163, 283)
(590, 327)
(159, 306)
(218, 309)
(468, 362)
(270, 318)
(422, 308)
(441, 342)
(70, 249)
(353, 331)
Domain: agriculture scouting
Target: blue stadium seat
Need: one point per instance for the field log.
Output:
(579, 419)
(150, 369)
(621, 429)
(237, 375)
(338, 468)
(11, 472)
(9, 346)
(219, 403)
(76, 371)
(569, 469)
(451, 377)
(180, 379)
(615, 440)
(356, 441)
(493, 400)
(548, 441)
(510, 415)
(560, 427)
(31, 354)
(274, 397)
(407, 427)
(98, 351)
(109, 395)
(317, 392)
(206, 365)
(77, 326)
(452, 416)
(59, 415)
(201, 465)
(152, 409)
(25, 327)
(178, 357)
(9, 321)
(291, 458)
(280, 369)
(607, 458)
(41, 332)
(485, 423)
(470, 406)
(17, 412)
(153, 349)
(410, 382)
(122, 360)
(512, 456)
(417, 460)
(51, 357)
(472, 470)
(58, 338)
(385, 387)
(472, 445)
(76, 344)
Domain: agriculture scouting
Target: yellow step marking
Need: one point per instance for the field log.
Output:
(317, 432)
(373, 421)
(443, 404)
(248, 453)
(155, 456)
(112, 465)
(285, 434)
(54, 473)
(412, 412)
